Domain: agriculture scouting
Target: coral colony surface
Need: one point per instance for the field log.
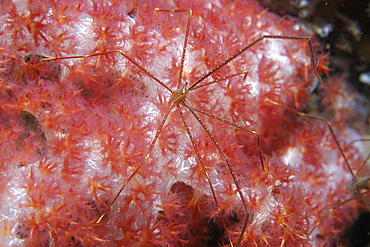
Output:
(73, 130)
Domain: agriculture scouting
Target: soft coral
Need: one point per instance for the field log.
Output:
(99, 127)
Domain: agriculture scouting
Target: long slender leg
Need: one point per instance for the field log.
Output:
(359, 140)
(322, 120)
(206, 173)
(358, 185)
(338, 206)
(363, 165)
(245, 73)
(159, 130)
(259, 148)
(259, 39)
(206, 129)
(229, 166)
(114, 51)
(189, 11)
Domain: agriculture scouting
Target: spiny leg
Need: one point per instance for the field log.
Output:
(366, 160)
(227, 160)
(231, 58)
(327, 122)
(220, 150)
(206, 173)
(340, 203)
(359, 140)
(196, 84)
(158, 132)
(362, 184)
(201, 79)
(110, 52)
(358, 184)
(259, 148)
(228, 163)
(245, 73)
(259, 39)
(180, 96)
(363, 165)
(189, 11)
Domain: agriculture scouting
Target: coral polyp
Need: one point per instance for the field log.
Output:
(165, 123)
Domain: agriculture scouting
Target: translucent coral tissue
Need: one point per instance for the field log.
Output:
(74, 130)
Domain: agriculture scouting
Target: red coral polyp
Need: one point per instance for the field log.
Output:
(121, 149)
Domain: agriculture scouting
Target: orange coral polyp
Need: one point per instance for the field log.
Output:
(100, 114)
